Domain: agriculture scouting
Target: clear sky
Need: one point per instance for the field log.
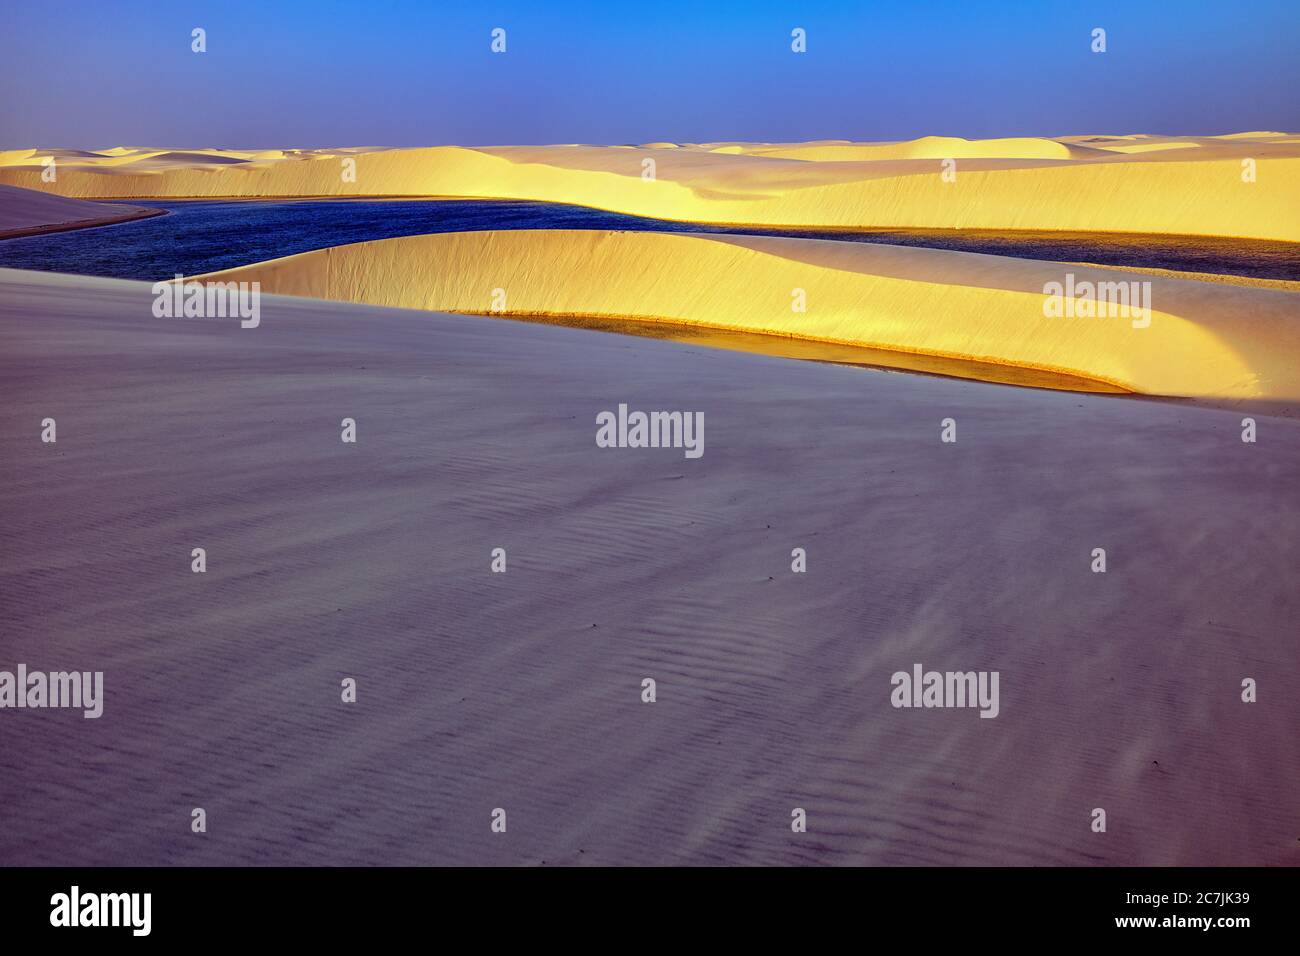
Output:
(368, 72)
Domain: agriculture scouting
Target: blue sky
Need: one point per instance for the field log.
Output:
(305, 74)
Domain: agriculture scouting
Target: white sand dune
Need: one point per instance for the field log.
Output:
(522, 690)
(1128, 183)
(1204, 340)
(27, 211)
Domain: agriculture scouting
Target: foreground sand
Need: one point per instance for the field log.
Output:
(522, 690)
(1132, 183)
(26, 212)
(1201, 340)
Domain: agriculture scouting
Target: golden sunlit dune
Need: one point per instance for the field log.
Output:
(927, 147)
(1203, 339)
(1238, 185)
(1131, 148)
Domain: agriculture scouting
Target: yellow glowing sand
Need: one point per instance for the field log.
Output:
(1204, 339)
(927, 147)
(1132, 183)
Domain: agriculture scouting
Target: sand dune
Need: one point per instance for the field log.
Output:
(522, 690)
(928, 147)
(1204, 340)
(25, 212)
(1128, 183)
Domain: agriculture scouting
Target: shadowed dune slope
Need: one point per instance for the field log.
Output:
(522, 690)
(1203, 340)
(27, 211)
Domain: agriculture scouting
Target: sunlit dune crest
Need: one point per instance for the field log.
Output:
(928, 147)
(1203, 340)
(1146, 147)
(1254, 135)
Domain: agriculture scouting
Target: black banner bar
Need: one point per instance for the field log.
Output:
(334, 905)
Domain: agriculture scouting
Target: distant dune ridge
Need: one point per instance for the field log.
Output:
(1194, 185)
(1203, 340)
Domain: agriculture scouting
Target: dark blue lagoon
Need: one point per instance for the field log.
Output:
(199, 236)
